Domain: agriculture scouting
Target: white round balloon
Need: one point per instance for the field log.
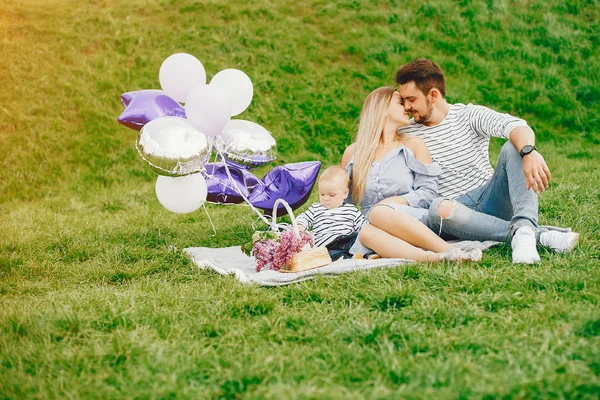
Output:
(237, 86)
(182, 194)
(181, 73)
(209, 109)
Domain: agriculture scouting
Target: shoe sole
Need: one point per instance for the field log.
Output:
(528, 262)
(573, 241)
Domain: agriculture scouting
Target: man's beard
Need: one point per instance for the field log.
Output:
(423, 119)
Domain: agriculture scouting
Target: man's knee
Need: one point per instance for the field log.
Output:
(447, 208)
(510, 151)
(443, 208)
(434, 207)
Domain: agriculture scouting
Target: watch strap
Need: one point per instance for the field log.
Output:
(526, 150)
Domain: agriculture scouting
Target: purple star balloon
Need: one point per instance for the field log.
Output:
(223, 190)
(142, 106)
(291, 182)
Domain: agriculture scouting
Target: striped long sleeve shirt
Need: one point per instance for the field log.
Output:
(327, 224)
(460, 145)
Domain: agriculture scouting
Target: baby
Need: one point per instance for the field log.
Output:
(335, 225)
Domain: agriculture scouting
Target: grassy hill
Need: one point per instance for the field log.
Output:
(94, 304)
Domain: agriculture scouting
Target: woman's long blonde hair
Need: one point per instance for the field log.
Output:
(370, 128)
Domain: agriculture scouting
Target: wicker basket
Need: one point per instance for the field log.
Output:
(308, 258)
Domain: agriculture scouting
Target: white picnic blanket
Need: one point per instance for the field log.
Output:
(231, 260)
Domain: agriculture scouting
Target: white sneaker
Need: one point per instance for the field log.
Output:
(561, 242)
(523, 247)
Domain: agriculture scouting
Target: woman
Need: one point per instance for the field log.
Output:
(394, 180)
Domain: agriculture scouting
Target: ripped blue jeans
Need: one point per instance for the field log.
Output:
(493, 211)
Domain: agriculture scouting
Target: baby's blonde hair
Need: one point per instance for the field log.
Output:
(336, 173)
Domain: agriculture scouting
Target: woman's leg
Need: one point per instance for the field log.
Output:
(389, 246)
(406, 228)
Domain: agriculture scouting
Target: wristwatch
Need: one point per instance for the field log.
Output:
(526, 150)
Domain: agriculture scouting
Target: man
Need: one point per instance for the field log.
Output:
(477, 202)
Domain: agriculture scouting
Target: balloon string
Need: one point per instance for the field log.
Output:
(242, 194)
(210, 220)
(272, 223)
(218, 154)
(234, 188)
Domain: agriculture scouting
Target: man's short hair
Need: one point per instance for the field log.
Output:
(424, 73)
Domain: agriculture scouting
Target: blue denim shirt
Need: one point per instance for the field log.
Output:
(399, 173)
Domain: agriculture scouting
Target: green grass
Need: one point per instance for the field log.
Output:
(94, 304)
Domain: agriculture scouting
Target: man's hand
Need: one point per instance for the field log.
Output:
(537, 173)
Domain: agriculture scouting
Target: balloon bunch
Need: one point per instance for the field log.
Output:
(177, 141)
